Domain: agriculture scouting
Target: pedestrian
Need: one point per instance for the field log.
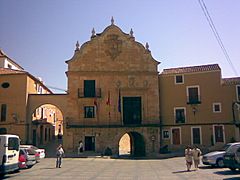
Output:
(196, 156)
(80, 148)
(59, 154)
(188, 157)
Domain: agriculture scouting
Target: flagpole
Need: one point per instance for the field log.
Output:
(120, 104)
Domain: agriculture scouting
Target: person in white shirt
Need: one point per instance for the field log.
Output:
(188, 157)
(59, 154)
(80, 148)
(196, 156)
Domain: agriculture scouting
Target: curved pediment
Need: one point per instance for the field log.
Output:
(112, 50)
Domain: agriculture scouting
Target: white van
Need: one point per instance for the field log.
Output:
(9, 153)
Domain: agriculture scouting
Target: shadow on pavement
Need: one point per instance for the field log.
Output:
(228, 172)
(208, 167)
(183, 171)
(49, 168)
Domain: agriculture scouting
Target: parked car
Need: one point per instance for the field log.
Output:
(30, 156)
(41, 152)
(232, 157)
(215, 158)
(22, 160)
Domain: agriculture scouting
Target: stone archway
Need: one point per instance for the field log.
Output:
(132, 144)
(37, 100)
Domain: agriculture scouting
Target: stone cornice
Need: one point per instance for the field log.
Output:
(119, 73)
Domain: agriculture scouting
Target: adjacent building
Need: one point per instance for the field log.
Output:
(197, 106)
(15, 87)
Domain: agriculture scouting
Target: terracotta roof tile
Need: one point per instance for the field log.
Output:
(10, 71)
(192, 69)
(231, 81)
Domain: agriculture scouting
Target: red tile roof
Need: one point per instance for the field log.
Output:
(192, 69)
(7, 71)
(11, 71)
(231, 81)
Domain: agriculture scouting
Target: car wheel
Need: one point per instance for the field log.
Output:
(220, 163)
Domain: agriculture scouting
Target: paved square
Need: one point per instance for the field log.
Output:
(120, 169)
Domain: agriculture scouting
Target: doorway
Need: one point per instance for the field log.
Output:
(132, 110)
(176, 136)
(89, 143)
(132, 144)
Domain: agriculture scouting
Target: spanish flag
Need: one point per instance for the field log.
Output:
(108, 104)
(119, 101)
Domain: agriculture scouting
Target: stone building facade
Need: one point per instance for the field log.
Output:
(117, 102)
(112, 91)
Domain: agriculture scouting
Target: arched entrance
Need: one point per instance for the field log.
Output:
(47, 124)
(132, 144)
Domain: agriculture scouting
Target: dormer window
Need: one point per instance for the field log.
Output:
(179, 79)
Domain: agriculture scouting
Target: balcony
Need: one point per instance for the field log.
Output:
(93, 93)
(193, 100)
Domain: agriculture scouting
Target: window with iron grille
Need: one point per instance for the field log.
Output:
(193, 95)
(180, 115)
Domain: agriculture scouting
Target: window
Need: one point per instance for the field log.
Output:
(179, 79)
(5, 85)
(89, 88)
(217, 107)
(166, 134)
(89, 112)
(3, 131)
(3, 112)
(9, 66)
(196, 135)
(218, 133)
(193, 95)
(238, 93)
(180, 116)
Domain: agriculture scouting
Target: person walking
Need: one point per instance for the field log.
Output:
(188, 157)
(80, 148)
(59, 154)
(196, 156)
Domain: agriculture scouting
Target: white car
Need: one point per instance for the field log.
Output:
(41, 152)
(215, 158)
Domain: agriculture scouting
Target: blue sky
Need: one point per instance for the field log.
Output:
(41, 35)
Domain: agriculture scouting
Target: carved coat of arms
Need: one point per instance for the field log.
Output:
(114, 46)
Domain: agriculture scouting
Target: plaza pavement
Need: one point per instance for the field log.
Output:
(103, 168)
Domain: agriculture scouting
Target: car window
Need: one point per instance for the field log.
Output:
(33, 147)
(233, 148)
(21, 152)
(13, 143)
(31, 152)
(225, 147)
